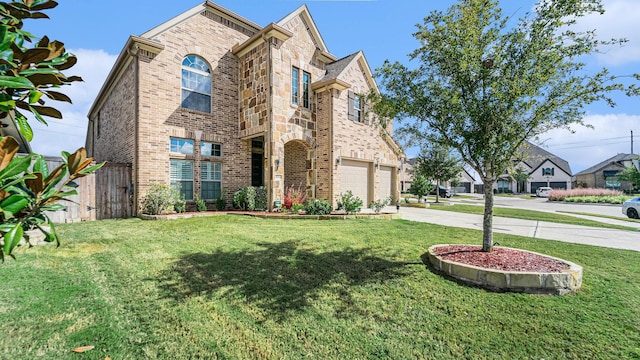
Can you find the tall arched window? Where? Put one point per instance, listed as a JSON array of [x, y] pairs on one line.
[[196, 84]]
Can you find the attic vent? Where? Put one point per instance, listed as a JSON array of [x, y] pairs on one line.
[[226, 22]]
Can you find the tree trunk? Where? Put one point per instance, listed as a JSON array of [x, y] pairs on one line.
[[487, 222], [437, 190]]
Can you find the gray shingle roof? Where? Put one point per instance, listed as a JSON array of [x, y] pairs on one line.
[[336, 68], [534, 156], [615, 159]]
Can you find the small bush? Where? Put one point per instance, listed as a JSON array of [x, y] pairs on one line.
[[245, 198], [160, 199], [221, 203], [318, 207], [349, 203], [588, 195], [293, 197], [201, 205], [261, 198], [180, 206], [378, 205]]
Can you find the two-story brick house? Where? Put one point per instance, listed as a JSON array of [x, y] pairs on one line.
[[214, 102]]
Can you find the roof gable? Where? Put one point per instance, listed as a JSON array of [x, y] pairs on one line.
[[335, 70], [305, 15], [534, 156], [616, 159]]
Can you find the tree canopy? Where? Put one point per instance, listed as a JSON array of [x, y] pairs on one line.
[[482, 86]]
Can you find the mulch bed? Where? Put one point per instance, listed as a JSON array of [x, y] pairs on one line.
[[505, 259]]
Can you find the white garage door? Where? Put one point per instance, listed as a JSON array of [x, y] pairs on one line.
[[354, 176], [386, 184]]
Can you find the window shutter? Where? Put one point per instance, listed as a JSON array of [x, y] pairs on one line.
[[350, 111], [552, 171]]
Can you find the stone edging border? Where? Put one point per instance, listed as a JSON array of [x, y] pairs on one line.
[[562, 283], [385, 216]]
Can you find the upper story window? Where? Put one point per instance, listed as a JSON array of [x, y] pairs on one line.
[[306, 83], [296, 84], [295, 91], [196, 84], [356, 108], [210, 149], [181, 146], [547, 171]]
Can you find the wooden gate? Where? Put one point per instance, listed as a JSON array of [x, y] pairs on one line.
[[113, 191]]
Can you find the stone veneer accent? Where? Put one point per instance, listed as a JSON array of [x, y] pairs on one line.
[[517, 281]]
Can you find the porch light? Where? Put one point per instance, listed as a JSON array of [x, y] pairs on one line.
[[277, 162]]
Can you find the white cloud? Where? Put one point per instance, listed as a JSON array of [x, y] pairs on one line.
[[610, 135], [620, 20], [69, 133]]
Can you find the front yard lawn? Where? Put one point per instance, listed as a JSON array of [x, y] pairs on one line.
[[531, 215], [233, 287]]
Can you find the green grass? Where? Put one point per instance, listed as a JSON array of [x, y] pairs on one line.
[[235, 287], [531, 215]]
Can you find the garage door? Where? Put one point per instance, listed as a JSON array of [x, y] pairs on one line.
[[386, 182], [354, 176], [552, 184]]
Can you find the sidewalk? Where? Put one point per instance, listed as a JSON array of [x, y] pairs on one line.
[[618, 239]]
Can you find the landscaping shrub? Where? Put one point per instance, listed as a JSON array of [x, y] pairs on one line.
[[588, 195], [261, 198], [221, 203], [378, 205], [294, 197], [245, 198], [349, 203], [201, 205], [318, 207], [180, 205], [159, 199]]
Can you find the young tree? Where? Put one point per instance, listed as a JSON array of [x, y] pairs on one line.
[[27, 75], [631, 175], [438, 163], [420, 186], [483, 87], [519, 175]]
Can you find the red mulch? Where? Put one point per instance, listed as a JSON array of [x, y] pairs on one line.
[[500, 258]]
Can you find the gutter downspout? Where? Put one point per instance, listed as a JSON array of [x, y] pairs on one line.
[[269, 147], [136, 132], [332, 162]]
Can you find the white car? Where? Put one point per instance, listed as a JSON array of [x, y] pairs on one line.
[[543, 191], [631, 207]]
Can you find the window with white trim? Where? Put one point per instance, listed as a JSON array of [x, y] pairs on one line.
[[196, 84], [356, 108], [306, 95], [295, 92], [210, 149], [181, 177], [181, 146], [547, 171], [210, 180]]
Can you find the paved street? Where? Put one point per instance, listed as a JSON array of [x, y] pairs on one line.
[[619, 239]]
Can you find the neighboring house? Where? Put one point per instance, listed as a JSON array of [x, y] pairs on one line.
[[604, 174], [465, 180], [543, 167], [8, 128], [214, 102]]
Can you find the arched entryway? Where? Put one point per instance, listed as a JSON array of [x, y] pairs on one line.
[[296, 165]]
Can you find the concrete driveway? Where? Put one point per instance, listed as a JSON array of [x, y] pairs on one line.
[[619, 239]]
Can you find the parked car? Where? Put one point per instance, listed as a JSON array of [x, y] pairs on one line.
[[543, 191], [631, 208], [442, 191]]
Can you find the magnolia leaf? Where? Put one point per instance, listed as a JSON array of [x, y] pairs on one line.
[[34, 96], [13, 204], [44, 6], [70, 61], [36, 184], [12, 237], [58, 96], [74, 78], [13, 82], [44, 42], [38, 15], [47, 111], [40, 166], [92, 169], [57, 49], [52, 234], [8, 148], [15, 167], [56, 175], [35, 56], [76, 159], [44, 79]]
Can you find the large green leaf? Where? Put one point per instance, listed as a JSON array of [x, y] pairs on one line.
[[8, 149], [16, 167], [13, 82], [11, 239], [40, 166], [24, 127], [13, 204]]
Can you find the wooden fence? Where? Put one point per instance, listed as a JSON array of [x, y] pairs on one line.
[[105, 194]]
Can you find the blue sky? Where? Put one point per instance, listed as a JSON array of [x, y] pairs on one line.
[[96, 31]]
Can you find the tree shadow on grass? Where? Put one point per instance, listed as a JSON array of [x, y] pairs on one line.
[[278, 277]]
